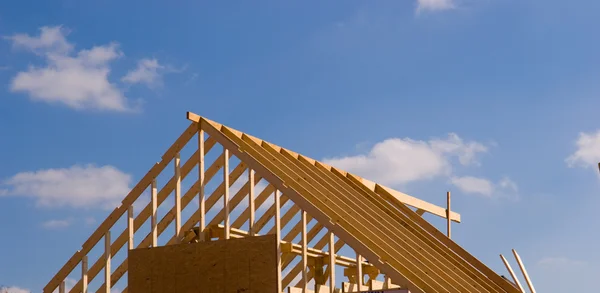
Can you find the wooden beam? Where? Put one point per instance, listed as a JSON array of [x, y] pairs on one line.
[[84, 278], [154, 203], [331, 266], [524, 271], [278, 237], [177, 163], [130, 227], [512, 273], [448, 212], [61, 288], [251, 202], [201, 175], [107, 257], [226, 194], [304, 254], [359, 272]]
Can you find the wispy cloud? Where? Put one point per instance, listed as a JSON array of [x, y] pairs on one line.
[[13, 289], [484, 187], [588, 151], [57, 224], [559, 262], [434, 5], [397, 161], [148, 72], [78, 80], [87, 186]]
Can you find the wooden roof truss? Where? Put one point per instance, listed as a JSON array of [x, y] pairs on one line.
[[318, 213]]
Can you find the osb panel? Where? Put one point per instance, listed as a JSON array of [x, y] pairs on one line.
[[225, 266]]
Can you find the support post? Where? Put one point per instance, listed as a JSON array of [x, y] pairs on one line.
[[251, 206], [226, 194], [177, 198], [278, 237], [154, 218], [201, 195], [304, 255], [448, 212], [61, 287], [84, 274], [130, 227], [359, 274], [107, 256], [331, 263]]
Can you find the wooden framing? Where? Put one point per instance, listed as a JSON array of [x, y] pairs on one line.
[[381, 225]]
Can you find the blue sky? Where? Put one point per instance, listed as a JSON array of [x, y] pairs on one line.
[[494, 100]]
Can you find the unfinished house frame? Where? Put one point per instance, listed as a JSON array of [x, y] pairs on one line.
[[335, 231]]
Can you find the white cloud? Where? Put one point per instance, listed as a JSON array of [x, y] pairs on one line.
[[77, 80], [588, 151], [481, 186], [77, 186], [13, 289], [57, 224], [559, 262], [434, 5], [148, 72], [398, 161], [90, 221], [469, 184]]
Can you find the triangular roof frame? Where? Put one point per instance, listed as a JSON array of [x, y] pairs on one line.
[[372, 219]]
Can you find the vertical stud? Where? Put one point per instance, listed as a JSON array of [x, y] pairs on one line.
[[178, 198], [251, 202], [61, 287], [304, 255], [226, 194], [153, 219], [130, 227], [84, 274], [107, 256], [201, 179], [331, 263], [359, 274], [449, 221], [278, 237]]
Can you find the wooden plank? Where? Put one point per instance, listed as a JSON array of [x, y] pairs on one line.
[[448, 212], [332, 259], [512, 273], [359, 271], [130, 227], [278, 237], [201, 180], [304, 254], [524, 271], [153, 221], [84, 279], [177, 162], [107, 257], [118, 212], [251, 202], [226, 194]]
